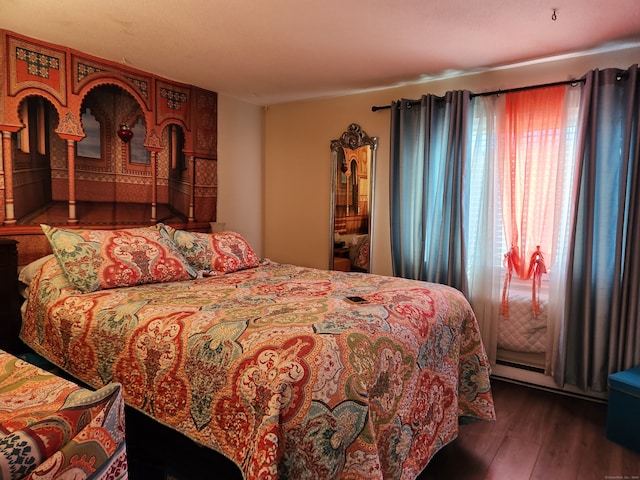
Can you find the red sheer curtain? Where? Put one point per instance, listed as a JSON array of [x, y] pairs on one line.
[[531, 139]]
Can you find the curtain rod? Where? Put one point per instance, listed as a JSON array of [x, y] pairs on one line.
[[375, 108]]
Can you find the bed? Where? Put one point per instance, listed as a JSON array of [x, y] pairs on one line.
[[51, 428], [269, 364]]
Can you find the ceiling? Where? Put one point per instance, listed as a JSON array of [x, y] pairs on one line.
[[272, 51]]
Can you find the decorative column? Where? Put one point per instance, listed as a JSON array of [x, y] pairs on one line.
[[7, 161], [71, 167], [154, 187], [192, 195]]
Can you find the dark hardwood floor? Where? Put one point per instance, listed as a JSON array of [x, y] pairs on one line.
[[537, 435]]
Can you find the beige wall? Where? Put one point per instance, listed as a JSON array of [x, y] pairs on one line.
[[274, 163], [297, 155]]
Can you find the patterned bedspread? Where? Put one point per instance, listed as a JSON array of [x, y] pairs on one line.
[[275, 369], [51, 428]]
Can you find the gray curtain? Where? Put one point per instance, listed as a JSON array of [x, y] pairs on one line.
[[427, 175], [601, 333]]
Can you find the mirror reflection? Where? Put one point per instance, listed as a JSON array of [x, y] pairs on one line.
[[353, 159]]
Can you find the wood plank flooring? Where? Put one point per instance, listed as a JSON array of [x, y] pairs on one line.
[[538, 435]]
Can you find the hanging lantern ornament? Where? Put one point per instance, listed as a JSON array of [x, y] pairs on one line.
[[125, 133]]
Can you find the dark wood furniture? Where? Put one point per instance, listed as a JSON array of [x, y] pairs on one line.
[[9, 298]]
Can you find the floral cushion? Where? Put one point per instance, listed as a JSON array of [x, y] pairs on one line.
[[359, 253], [99, 259], [51, 428], [219, 252]]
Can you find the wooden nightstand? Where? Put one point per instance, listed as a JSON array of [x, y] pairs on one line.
[[9, 298]]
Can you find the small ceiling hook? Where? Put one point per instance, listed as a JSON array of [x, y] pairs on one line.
[[553, 15]]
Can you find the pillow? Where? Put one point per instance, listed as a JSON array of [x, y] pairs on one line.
[[100, 259], [28, 272], [223, 252]]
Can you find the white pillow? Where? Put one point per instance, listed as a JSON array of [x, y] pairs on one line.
[[28, 272]]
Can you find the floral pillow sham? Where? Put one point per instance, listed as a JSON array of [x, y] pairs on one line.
[[214, 253], [101, 259]]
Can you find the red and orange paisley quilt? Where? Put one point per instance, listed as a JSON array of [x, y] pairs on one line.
[[274, 368], [51, 428]]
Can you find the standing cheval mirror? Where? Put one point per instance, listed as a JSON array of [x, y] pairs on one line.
[[352, 171]]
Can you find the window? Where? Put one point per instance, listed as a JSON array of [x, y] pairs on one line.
[[32, 138], [484, 146], [91, 145], [521, 172], [138, 154], [176, 148], [23, 136], [41, 126]]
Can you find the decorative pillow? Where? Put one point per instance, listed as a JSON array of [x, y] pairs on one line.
[[359, 252], [99, 259], [28, 272], [223, 252]]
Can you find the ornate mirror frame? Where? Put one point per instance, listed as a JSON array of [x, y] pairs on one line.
[[352, 179]]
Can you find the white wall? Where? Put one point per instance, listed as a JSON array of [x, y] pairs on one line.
[[297, 154], [240, 169]]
